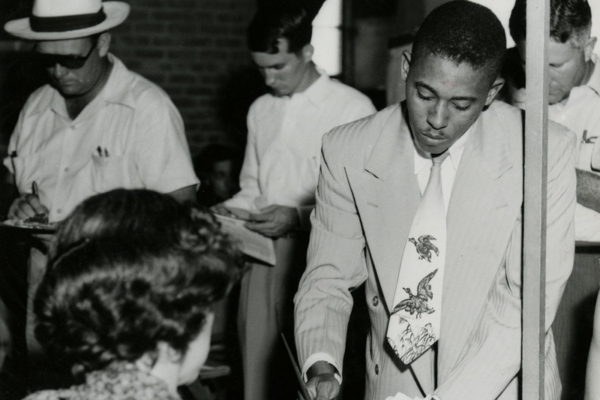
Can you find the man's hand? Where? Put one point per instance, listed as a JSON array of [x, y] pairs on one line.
[[222, 210], [27, 205], [274, 221], [588, 189], [322, 384]]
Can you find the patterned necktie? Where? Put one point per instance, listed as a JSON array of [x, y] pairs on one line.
[[415, 321]]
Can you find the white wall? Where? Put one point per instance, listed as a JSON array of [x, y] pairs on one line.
[[595, 6]]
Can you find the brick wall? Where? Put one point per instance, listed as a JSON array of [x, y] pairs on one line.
[[195, 50]]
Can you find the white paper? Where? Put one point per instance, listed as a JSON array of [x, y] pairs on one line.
[[402, 396], [251, 243]]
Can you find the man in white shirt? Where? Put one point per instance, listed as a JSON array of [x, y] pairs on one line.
[[278, 180], [373, 174], [574, 96], [96, 127]]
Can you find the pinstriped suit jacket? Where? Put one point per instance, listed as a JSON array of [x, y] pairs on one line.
[[366, 200]]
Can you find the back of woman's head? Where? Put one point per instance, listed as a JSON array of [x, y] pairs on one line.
[[126, 274]]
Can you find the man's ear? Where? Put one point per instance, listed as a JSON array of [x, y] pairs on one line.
[[496, 86], [406, 59], [307, 53], [103, 44], [588, 48]]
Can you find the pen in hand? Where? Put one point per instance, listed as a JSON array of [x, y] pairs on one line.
[[43, 216]]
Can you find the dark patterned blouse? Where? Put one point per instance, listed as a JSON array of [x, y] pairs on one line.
[[119, 381]]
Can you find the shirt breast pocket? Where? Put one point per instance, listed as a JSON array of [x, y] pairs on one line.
[[113, 172]]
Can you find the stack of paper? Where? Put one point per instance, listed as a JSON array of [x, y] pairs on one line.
[[251, 243]]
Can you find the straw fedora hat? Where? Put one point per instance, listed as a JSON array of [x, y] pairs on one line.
[[68, 19]]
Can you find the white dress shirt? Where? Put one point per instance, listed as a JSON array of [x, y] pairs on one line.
[[129, 136], [580, 114], [281, 163]]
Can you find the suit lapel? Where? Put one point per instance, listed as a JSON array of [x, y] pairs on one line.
[[387, 197], [485, 203]]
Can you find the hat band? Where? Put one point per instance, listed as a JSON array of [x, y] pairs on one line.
[[66, 23]]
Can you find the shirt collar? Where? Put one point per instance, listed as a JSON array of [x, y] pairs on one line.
[[118, 89], [423, 159], [115, 91], [318, 91]]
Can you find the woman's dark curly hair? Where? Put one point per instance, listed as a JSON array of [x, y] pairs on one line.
[[129, 269]]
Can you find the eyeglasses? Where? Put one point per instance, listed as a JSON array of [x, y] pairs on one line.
[[70, 62]]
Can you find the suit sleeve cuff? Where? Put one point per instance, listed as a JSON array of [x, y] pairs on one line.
[[320, 357]]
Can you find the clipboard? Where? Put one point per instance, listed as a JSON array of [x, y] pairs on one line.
[[304, 395]]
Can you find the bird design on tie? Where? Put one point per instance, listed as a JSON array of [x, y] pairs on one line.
[[425, 247], [418, 304]]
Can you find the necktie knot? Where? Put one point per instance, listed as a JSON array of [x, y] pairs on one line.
[[437, 161]]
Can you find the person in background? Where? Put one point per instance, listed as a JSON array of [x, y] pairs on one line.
[[218, 167], [126, 302], [423, 202], [278, 180], [573, 96], [95, 127]]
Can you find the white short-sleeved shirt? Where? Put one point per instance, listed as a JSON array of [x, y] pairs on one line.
[[130, 136], [281, 163], [581, 114]]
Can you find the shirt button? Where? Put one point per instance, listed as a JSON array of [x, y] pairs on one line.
[[375, 301], [376, 369]]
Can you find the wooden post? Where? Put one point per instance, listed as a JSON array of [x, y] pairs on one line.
[[534, 238]]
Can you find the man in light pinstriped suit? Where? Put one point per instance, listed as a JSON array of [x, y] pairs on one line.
[[369, 189]]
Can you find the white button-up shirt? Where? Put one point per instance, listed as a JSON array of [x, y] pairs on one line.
[[581, 114], [281, 163], [130, 136]]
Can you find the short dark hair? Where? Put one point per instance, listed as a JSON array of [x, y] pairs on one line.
[[569, 19], [279, 20], [113, 295], [463, 32]]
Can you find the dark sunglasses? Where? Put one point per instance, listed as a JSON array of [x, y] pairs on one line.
[[70, 62]]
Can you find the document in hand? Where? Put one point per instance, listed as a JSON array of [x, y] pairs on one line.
[[251, 243]]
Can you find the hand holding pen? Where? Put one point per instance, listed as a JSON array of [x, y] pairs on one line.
[[27, 205]]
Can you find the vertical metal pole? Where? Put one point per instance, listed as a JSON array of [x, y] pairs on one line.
[[534, 242]]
